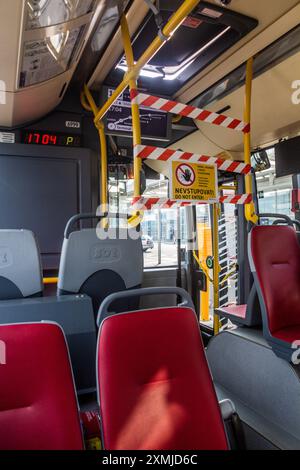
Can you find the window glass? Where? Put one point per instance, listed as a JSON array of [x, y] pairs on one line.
[[278, 202], [160, 231], [274, 194], [160, 228]]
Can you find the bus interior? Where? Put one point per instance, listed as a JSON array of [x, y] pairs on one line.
[[149, 225]]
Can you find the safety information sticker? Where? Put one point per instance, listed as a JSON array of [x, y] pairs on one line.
[[193, 181]]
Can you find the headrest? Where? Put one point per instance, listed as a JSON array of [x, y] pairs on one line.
[[273, 244], [84, 254], [274, 256], [20, 265]]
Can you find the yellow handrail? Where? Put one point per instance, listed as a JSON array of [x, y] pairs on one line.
[[202, 266], [104, 176], [129, 79], [136, 122], [217, 268], [91, 101], [50, 280], [249, 208], [174, 22], [227, 188], [89, 104]]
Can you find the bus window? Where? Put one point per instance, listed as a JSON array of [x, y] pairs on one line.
[[160, 228], [274, 194], [227, 258], [278, 202], [160, 231]]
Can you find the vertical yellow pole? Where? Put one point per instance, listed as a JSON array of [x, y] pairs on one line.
[[103, 168], [204, 250], [249, 208], [103, 147], [136, 123], [216, 265]]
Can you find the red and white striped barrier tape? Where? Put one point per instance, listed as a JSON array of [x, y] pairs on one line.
[[185, 110], [167, 155], [147, 203]]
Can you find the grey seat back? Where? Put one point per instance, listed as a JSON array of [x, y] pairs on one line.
[[20, 265], [75, 315], [99, 265]]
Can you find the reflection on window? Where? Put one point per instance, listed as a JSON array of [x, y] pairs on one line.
[[274, 194], [42, 13], [160, 228], [49, 57], [2, 92], [278, 202], [160, 231]]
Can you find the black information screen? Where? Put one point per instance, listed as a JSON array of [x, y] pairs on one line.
[[154, 124], [287, 157]]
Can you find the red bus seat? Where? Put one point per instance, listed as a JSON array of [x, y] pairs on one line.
[[235, 311], [243, 315], [155, 390], [274, 255], [38, 403]]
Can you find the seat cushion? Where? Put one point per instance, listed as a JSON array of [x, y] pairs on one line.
[[155, 388], [38, 406], [289, 334], [238, 311]]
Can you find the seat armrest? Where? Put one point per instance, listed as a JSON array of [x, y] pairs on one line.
[[233, 425], [227, 409]]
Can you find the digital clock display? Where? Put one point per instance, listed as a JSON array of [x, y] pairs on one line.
[[50, 138]]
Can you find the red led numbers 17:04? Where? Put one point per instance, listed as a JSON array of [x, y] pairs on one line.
[[43, 139], [47, 138]]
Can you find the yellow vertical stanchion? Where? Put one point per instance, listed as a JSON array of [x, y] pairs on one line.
[[216, 266], [91, 106], [104, 176], [135, 113], [204, 250], [136, 123], [249, 208]]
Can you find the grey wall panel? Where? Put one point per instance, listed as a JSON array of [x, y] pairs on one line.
[[75, 315], [41, 188]]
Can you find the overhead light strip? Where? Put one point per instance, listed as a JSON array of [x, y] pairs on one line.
[[182, 67]]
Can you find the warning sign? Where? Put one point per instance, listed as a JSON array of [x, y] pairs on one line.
[[192, 22], [193, 181]]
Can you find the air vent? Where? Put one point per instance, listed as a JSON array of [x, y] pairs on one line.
[[7, 138]]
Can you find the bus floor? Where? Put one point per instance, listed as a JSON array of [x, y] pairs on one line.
[[88, 402]]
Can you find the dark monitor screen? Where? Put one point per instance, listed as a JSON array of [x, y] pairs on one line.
[[155, 125], [287, 157], [41, 193]]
